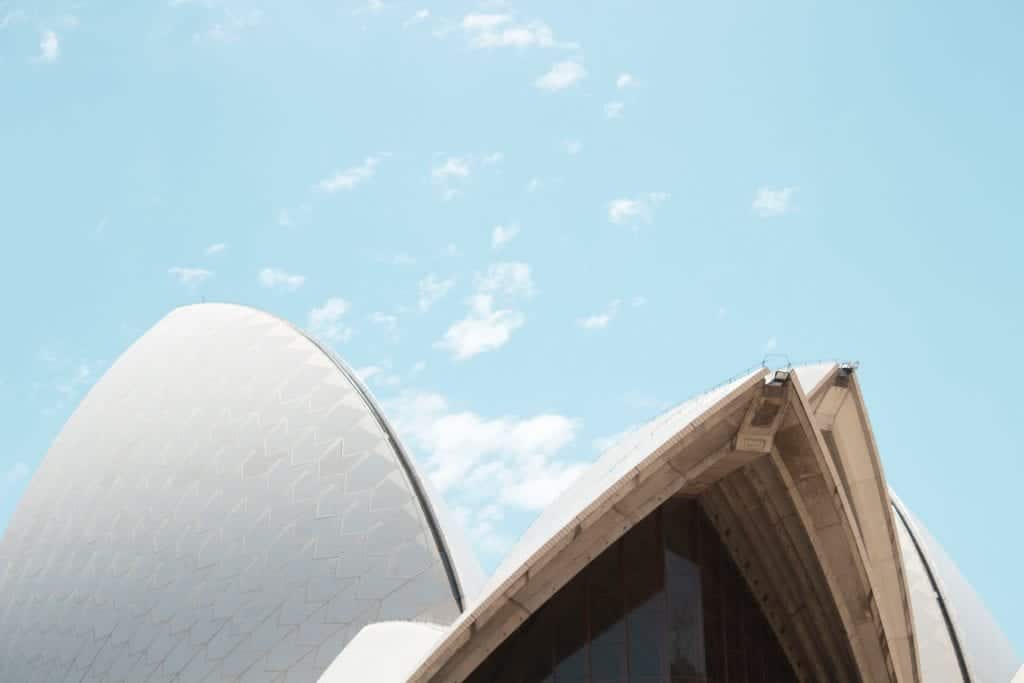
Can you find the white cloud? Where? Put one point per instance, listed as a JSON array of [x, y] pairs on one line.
[[455, 171], [625, 80], [533, 185], [600, 321], [487, 327], [489, 462], [638, 209], [511, 278], [453, 167], [367, 372], [613, 110], [78, 377], [418, 17], [371, 7], [493, 30], [431, 290], [230, 26], [279, 279], [190, 276], [483, 329], [215, 248], [385, 320], [351, 177], [561, 76], [773, 202], [573, 147], [502, 235], [448, 175], [49, 47], [484, 22], [451, 249], [325, 322], [402, 259]]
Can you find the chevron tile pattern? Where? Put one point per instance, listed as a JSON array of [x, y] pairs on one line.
[[223, 506]]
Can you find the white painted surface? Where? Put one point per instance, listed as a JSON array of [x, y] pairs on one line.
[[386, 652], [810, 376], [990, 655]]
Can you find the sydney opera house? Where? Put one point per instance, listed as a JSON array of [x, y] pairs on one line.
[[228, 503]]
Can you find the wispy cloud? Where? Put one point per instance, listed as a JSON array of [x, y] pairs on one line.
[[402, 259], [190, 276], [371, 7], [773, 202], [625, 80], [418, 17], [229, 26], [49, 47], [562, 75], [366, 372], [637, 209], [510, 279], [454, 172], [349, 178], [501, 30], [386, 320], [325, 321], [599, 321], [483, 329], [498, 461], [486, 327], [502, 235], [215, 248], [613, 110], [453, 167], [69, 377], [573, 147], [431, 290], [275, 278]]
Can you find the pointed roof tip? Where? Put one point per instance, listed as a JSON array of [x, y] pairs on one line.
[[814, 375]]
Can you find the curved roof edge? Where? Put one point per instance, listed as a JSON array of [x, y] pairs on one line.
[[461, 567], [591, 512], [986, 655]]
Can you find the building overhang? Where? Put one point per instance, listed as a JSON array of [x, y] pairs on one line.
[[755, 458]]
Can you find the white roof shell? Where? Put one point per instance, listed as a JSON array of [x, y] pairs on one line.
[[226, 503]]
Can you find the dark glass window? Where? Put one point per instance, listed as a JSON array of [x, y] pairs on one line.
[[664, 604]]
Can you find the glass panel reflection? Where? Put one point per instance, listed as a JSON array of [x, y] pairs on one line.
[[664, 604]]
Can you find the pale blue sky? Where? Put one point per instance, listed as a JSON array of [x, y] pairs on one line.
[[680, 187]]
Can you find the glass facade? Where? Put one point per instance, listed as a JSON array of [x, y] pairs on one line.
[[664, 604]]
